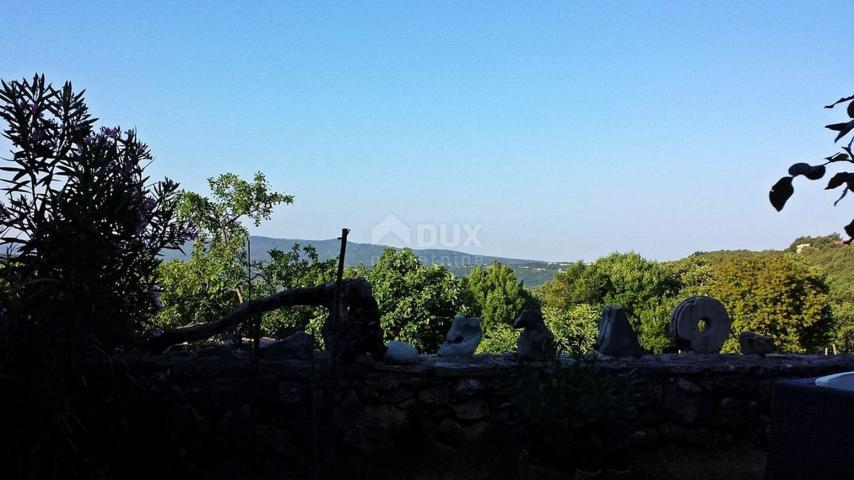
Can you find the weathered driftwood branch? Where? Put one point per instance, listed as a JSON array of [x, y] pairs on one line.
[[355, 330], [320, 296]]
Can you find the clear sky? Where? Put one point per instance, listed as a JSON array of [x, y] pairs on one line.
[[555, 130]]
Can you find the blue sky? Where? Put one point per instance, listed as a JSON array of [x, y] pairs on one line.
[[565, 130]]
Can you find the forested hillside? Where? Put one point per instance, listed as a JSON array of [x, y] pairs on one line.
[[531, 272]]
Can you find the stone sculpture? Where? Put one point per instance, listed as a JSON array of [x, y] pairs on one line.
[[463, 338], [755, 344], [400, 353], [536, 342], [700, 324], [356, 329], [617, 338]]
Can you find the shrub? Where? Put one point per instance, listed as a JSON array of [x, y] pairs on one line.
[[417, 303], [215, 279], [83, 223], [495, 294], [84, 227], [499, 338], [645, 288], [575, 328], [298, 267]]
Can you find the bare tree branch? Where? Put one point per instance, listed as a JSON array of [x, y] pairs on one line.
[[319, 296]]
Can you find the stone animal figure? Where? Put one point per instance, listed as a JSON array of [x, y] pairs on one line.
[[463, 338], [536, 342]]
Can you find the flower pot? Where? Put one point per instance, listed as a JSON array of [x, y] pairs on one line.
[[587, 474]]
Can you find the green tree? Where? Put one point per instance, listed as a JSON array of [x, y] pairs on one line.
[[778, 295], [495, 294], [646, 289], [214, 280], [577, 283], [298, 267], [575, 328], [416, 302], [499, 338]]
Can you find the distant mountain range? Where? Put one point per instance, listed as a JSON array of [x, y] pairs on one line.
[[531, 272]]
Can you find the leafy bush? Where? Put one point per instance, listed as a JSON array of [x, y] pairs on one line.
[[83, 223], [575, 328], [215, 279], [646, 289], [297, 267], [83, 226], [499, 338], [495, 294], [417, 303]]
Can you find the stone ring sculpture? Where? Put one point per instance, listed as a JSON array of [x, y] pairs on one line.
[[700, 324]]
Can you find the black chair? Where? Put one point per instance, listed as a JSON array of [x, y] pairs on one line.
[[812, 432]]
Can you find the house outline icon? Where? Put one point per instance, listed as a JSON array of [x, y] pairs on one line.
[[391, 226]]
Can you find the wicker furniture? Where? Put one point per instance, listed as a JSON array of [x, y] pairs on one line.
[[812, 432]]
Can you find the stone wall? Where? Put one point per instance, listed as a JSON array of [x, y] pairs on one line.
[[204, 402]]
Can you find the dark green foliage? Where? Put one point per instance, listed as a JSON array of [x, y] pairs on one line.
[[531, 273], [495, 295], [836, 262], [83, 226], [575, 328], [778, 295], [417, 302], [646, 289], [771, 293], [80, 216], [215, 279], [298, 267]]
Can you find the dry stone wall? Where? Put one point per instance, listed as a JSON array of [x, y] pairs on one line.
[[293, 404]]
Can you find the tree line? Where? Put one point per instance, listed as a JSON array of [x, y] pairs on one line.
[[780, 294]]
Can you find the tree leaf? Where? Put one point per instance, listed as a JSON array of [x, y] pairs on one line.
[[815, 172], [780, 192], [799, 169], [842, 128], [807, 170], [837, 180]]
